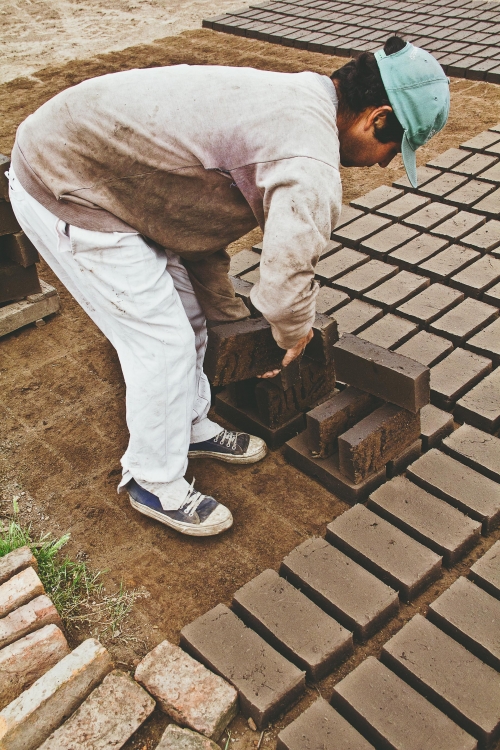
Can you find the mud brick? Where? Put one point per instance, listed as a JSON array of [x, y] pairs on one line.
[[459, 485], [458, 226], [455, 375], [17, 282], [341, 587], [448, 159], [424, 174], [251, 277], [330, 247], [464, 320], [18, 248], [23, 662], [493, 173], [245, 260], [334, 416], [430, 304], [320, 726], [398, 465], [486, 571], [16, 561], [4, 183], [18, 590], [246, 419], [360, 229], [489, 205], [402, 207], [330, 299], [435, 425], [242, 290], [26, 619], [32, 717], [455, 680], [394, 715], [480, 407], [476, 449], [426, 518], [339, 263], [475, 164], [484, 239], [383, 549], [430, 216], [469, 194], [384, 374], [442, 185], [177, 738], [478, 277], [355, 316], [481, 141], [487, 342], [377, 198], [397, 290], [492, 296], [266, 682], [365, 277], [347, 214], [382, 243], [416, 251], [293, 624], [495, 148], [470, 615], [426, 348], [448, 262], [8, 221], [327, 472], [389, 332], [325, 335]]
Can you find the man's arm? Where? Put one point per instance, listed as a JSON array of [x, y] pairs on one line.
[[213, 288]]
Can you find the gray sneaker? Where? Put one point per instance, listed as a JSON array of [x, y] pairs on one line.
[[233, 447]]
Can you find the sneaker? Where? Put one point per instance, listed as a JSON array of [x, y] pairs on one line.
[[234, 447], [199, 515]]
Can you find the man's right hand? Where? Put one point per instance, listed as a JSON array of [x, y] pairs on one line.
[[290, 355]]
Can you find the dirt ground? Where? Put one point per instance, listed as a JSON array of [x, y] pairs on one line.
[[63, 417]]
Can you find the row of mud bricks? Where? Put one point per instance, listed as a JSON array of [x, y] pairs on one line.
[[23, 297]]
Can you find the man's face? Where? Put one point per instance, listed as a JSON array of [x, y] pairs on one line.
[[358, 145]]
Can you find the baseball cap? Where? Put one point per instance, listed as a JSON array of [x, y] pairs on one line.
[[419, 93]]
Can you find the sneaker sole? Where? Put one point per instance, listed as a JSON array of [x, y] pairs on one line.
[[183, 528], [228, 458]]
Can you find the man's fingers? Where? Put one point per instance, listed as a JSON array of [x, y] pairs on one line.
[[270, 374]]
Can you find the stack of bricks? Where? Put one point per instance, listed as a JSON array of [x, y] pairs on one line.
[[18, 273]]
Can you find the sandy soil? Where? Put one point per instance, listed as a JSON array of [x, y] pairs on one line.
[[63, 420]]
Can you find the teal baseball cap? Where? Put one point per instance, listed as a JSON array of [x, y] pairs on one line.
[[419, 93]]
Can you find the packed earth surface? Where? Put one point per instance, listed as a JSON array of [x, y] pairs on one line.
[[63, 406]]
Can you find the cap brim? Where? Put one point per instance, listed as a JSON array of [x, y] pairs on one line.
[[410, 161]]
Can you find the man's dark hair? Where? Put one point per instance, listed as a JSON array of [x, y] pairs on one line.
[[359, 85]]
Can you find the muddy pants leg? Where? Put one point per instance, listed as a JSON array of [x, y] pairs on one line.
[[125, 286]]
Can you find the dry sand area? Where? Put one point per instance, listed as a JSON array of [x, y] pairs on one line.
[[62, 412]]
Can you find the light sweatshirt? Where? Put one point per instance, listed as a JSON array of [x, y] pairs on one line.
[[194, 157]]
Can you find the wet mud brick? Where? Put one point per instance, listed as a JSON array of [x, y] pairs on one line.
[[471, 616], [475, 164], [319, 727], [478, 277], [325, 335], [486, 571], [339, 263], [487, 341], [469, 194], [440, 186], [402, 207], [385, 551], [344, 589], [416, 251], [293, 624], [385, 374], [30, 719], [8, 221], [355, 316], [334, 416], [241, 350], [18, 248], [458, 226], [493, 173], [389, 332], [347, 215], [19, 590], [445, 264], [426, 518], [480, 407], [476, 449], [455, 680], [448, 159], [424, 174], [16, 561], [426, 348], [360, 229], [435, 424], [266, 682], [4, 183], [245, 260], [484, 239], [242, 290], [430, 216], [466, 489], [381, 244], [397, 290], [107, 718], [17, 282], [464, 320], [489, 205], [365, 277], [329, 300], [455, 375], [251, 277], [481, 141], [398, 465], [377, 198], [392, 714]]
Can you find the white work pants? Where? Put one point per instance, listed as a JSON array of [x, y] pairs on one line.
[[141, 298]]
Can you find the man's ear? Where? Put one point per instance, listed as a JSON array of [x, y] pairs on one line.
[[377, 117]]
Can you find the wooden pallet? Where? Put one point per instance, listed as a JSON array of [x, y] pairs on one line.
[[35, 307]]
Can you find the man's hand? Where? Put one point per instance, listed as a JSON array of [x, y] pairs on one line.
[[290, 355]]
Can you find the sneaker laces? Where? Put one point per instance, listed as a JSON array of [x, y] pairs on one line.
[[192, 501], [227, 438]]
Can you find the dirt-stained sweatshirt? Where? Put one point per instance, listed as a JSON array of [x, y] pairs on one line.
[[194, 157]]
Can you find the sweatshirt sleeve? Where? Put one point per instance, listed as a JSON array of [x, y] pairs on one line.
[[302, 198], [213, 288]]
